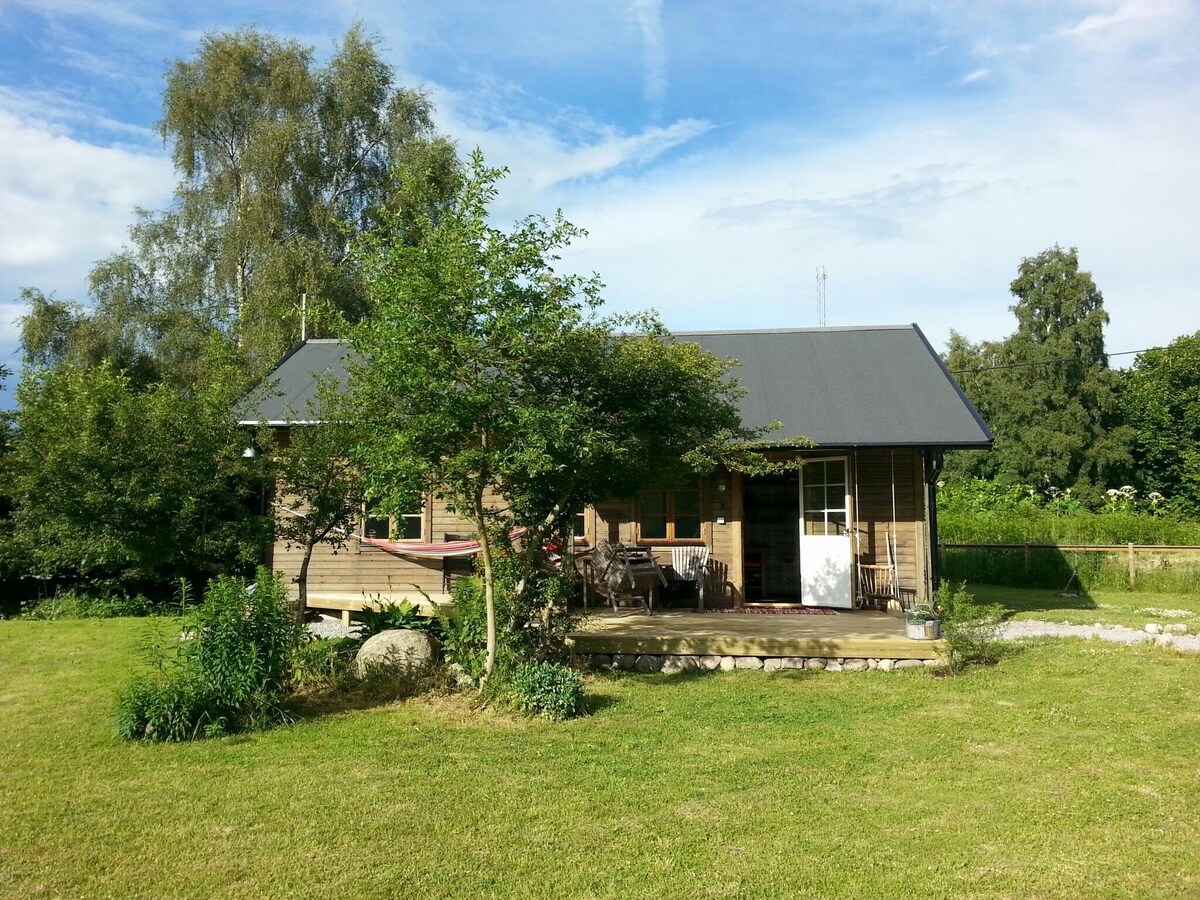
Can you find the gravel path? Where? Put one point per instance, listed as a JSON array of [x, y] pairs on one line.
[[330, 627], [1011, 631]]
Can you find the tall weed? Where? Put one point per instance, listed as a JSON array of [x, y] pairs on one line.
[[229, 671]]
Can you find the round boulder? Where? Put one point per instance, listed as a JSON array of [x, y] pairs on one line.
[[648, 663], [400, 651]]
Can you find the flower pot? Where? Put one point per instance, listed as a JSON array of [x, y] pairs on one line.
[[923, 630]]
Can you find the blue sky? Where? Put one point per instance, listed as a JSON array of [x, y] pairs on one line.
[[718, 152]]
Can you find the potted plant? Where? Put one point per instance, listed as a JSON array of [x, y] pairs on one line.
[[923, 624]]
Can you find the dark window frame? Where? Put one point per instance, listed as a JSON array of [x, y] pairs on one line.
[[365, 520], [671, 516]]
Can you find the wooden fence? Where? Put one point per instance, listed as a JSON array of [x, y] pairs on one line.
[[1130, 549]]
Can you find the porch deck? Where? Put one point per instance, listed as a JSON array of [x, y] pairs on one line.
[[851, 634]]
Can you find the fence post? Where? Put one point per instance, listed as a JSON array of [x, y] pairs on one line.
[[1132, 568], [1026, 559]]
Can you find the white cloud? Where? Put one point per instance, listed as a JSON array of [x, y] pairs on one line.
[[977, 75], [647, 14], [921, 221], [68, 202], [1125, 15], [556, 153]]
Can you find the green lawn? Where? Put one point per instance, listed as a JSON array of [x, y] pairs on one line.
[[1113, 607], [1067, 770]]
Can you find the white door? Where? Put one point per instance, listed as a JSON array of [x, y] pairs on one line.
[[825, 553]]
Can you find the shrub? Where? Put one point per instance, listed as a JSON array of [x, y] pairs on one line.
[[531, 629], [75, 604], [175, 707], [465, 627], [547, 689], [242, 645], [230, 672], [968, 628], [401, 615]]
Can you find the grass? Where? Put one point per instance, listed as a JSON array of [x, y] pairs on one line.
[[1112, 607], [1066, 770]]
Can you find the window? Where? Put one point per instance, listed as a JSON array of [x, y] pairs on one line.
[[405, 527], [670, 515], [581, 527], [825, 499]]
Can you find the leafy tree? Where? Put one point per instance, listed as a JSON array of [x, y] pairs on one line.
[[494, 384], [1047, 391], [129, 487], [318, 488], [281, 163], [1162, 404]]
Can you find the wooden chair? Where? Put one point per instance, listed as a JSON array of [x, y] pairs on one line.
[[689, 564], [618, 573], [876, 583], [880, 582]]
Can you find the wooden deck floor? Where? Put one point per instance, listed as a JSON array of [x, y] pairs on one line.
[[850, 634]]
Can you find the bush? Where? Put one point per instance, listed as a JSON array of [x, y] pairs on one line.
[[174, 707], [230, 672], [465, 627], [401, 615], [73, 604], [968, 628], [547, 689], [532, 629]]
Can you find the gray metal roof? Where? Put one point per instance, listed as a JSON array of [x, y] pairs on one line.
[[871, 386], [289, 394]]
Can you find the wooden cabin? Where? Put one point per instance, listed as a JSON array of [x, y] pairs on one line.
[[857, 521]]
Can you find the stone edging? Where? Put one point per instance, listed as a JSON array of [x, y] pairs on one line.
[[670, 663]]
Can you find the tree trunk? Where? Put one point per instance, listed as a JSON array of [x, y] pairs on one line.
[[489, 585], [302, 584]]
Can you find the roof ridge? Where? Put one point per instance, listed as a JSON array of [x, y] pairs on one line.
[[810, 330]]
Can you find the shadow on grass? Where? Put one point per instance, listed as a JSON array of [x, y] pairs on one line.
[[1031, 600], [314, 704], [595, 703]]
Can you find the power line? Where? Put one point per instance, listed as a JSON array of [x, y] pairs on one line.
[[1051, 362]]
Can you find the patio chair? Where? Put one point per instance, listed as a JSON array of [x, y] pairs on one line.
[[618, 573], [688, 564]]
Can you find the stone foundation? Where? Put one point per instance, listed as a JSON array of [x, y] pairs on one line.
[[671, 664]]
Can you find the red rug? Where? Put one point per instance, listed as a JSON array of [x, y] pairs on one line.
[[779, 611]]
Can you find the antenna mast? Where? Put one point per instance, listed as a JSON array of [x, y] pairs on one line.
[[304, 317], [821, 295]]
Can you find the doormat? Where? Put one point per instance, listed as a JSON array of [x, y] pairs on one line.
[[778, 611]]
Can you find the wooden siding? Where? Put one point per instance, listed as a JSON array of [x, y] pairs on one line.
[[362, 570], [872, 509]]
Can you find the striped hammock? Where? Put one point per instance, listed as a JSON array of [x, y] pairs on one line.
[[436, 551]]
